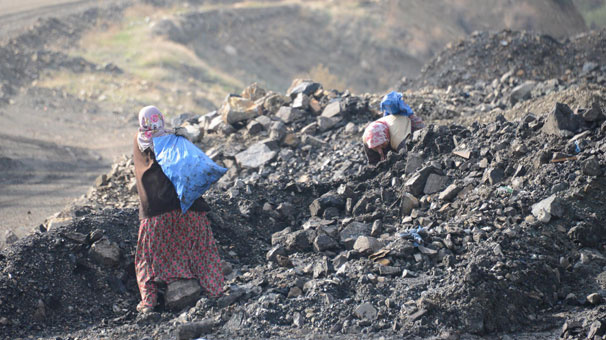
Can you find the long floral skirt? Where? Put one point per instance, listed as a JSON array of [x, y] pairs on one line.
[[173, 246]]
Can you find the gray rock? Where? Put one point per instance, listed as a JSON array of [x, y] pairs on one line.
[[351, 232], [280, 236], [595, 113], [414, 161], [324, 242], [322, 268], [195, 330], [522, 92], [305, 87], [254, 127], [288, 114], [416, 184], [408, 203], [169, 29], [313, 141], [493, 175], [325, 123], [450, 192], [435, 183], [310, 129], [274, 252], [265, 121], [235, 323], [594, 298], [367, 245], [193, 133], [298, 241], [333, 109], [255, 156], [105, 252], [216, 124], [181, 294], [562, 121], [301, 102], [545, 209], [377, 228], [366, 311], [10, 237], [591, 167]]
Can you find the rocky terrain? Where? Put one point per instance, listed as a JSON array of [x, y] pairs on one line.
[[489, 225]]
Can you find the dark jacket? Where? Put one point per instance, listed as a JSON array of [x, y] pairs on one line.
[[157, 194]]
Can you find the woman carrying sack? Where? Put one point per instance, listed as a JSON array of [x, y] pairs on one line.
[[171, 245]]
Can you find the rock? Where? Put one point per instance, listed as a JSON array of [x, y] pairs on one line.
[[294, 292], [255, 156], [377, 228], [325, 123], [105, 252], [562, 121], [181, 294], [254, 127], [545, 209], [332, 110], [236, 109], [587, 234], [306, 87], [10, 237], [522, 92], [288, 114], [593, 114], [101, 180], [236, 322], [297, 241], [301, 102], [324, 242], [274, 252], [450, 192], [434, 183], [416, 184], [351, 232], [195, 330], [591, 167], [366, 311], [414, 161], [193, 133], [322, 268], [216, 124], [330, 199], [313, 141], [367, 245], [597, 328], [407, 203], [594, 299], [493, 175], [253, 92]]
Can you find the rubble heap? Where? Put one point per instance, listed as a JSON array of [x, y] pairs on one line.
[[484, 225]]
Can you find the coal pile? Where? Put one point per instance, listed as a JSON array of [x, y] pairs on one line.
[[486, 56], [489, 223], [475, 229]]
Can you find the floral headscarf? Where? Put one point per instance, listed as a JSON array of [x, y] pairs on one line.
[[375, 134], [151, 124]]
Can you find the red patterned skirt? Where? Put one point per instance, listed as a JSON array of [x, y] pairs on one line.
[[173, 246]]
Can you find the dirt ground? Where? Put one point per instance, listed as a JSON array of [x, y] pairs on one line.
[[56, 144]]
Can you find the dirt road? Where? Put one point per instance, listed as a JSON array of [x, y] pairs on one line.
[[53, 146]]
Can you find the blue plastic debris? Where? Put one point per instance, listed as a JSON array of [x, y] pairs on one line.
[[413, 234], [190, 170], [393, 104], [577, 148]]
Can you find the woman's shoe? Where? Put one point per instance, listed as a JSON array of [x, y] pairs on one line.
[[144, 309]]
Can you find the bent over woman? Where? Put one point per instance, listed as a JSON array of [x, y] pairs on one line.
[[171, 246]]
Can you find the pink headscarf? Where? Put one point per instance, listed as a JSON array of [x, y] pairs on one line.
[[151, 124], [375, 134]]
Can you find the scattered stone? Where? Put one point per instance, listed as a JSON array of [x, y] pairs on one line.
[[181, 294], [545, 209], [255, 156], [594, 298], [366, 311], [195, 330], [562, 121], [332, 110], [105, 252], [367, 245]]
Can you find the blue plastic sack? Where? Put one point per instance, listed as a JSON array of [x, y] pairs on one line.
[[393, 104], [189, 169]]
